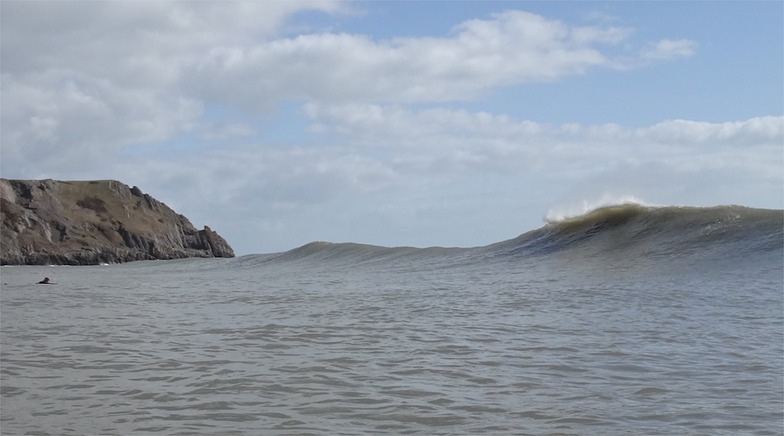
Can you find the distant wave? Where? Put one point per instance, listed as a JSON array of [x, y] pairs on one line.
[[660, 229], [352, 254], [629, 229], [356, 253]]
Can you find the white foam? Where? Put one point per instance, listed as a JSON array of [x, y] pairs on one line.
[[572, 210]]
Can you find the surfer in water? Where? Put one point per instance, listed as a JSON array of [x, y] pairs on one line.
[[45, 281]]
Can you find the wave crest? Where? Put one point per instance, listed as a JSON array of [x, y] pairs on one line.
[[569, 212], [671, 230]]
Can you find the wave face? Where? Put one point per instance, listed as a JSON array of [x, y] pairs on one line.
[[659, 230]]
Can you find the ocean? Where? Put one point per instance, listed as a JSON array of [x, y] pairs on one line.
[[629, 319]]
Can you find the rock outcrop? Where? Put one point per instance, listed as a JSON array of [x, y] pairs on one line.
[[49, 222]]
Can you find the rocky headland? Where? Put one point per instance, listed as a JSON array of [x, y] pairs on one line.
[[49, 222]]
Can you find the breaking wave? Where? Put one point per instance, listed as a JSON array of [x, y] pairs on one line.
[[671, 230], [566, 212], [630, 229]]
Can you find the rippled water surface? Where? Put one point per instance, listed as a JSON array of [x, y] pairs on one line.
[[410, 345]]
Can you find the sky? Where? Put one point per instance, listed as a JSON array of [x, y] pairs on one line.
[[397, 123]]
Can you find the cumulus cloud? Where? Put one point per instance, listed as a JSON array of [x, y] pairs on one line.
[[441, 146], [762, 130], [398, 127], [667, 49], [82, 78], [58, 124], [137, 75], [511, 48]]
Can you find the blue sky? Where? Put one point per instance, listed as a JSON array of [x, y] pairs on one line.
[[397, 123]]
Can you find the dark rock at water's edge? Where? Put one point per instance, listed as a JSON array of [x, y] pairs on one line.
[[50, 222]]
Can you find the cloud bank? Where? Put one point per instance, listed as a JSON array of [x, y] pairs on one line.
[[180, 98], [153, 71]]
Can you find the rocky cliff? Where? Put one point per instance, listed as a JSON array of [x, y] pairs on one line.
[[49, 222]]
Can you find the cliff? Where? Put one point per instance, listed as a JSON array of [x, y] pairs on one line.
[[49, 222]]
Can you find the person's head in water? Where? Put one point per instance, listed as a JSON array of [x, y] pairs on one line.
[[45, 281]]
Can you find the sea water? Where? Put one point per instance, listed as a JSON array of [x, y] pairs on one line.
[[629, 322]]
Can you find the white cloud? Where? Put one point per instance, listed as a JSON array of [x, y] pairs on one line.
[[399, 126], [82, 78], [48, 125], [762, 130], [667, 49], [513, 47], [441, 146], [88, 79]]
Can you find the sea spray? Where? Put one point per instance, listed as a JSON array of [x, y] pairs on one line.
[[567, 211]]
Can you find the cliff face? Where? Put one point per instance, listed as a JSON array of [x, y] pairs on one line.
[[49, 222]]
